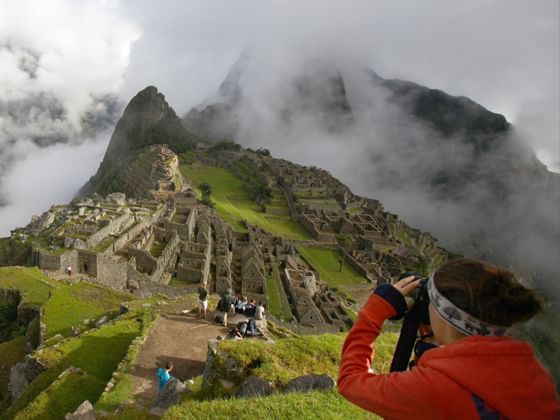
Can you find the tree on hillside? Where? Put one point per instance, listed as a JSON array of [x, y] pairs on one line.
[[261, 194], [206, 190], [344, 241]]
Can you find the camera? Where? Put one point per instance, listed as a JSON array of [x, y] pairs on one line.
[[416, 322]]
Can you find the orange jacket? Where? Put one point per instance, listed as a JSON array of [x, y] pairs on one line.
[[502, 372]]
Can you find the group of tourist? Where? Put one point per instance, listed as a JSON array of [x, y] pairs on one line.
[[227, 304], [232, 305]]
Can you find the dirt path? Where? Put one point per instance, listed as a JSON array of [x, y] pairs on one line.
[[183, 339]]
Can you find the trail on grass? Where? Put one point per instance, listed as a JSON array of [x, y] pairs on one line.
[[183, 339]]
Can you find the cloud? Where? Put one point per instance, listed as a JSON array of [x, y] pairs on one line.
[[60, 171], [63, 63]]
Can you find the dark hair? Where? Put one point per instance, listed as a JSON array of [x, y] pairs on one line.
[[169, 365], [489, 293]]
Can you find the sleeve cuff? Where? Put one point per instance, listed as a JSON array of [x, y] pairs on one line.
[[394, 297]]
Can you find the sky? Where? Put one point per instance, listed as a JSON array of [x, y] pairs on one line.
[[67, 68]]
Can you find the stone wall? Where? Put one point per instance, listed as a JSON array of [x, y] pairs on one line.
[[128, 235], [87, 262], [115, 225], [45, 261], [357, 266], [145, 263], [112, 273]]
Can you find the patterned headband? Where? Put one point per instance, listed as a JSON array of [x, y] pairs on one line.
[[467, 324]]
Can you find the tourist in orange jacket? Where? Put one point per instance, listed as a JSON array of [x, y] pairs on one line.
[[471, 375]]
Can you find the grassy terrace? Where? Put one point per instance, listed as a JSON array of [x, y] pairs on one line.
[[97, 354], [277, 301], [31, 282], [233, 202], [69, 305], [11, 352], [311, 405], [279, 363], [326, 262]]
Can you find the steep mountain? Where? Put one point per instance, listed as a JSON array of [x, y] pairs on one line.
[[444, 163], [147, 120]]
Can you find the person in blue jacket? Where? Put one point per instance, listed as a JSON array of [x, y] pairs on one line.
[[163, 375]]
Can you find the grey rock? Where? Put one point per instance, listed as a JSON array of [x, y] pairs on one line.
[[22, 374], [101, 321], [308, 383], [170, 394], [123, 309], [116, 198], [254, 387], [84, 412]]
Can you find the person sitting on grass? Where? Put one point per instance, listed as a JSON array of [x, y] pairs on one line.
[[164, 376]]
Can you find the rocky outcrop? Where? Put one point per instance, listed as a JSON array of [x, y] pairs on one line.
[[147, 120], [23, 373], [309, 383], [170, 394], [254, 386], [84, 412]]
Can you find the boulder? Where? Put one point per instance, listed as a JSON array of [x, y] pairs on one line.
[[101, 321], [116, 198], [84, 412], [254, 386], [170, 394], [308, 383], [23, 373]]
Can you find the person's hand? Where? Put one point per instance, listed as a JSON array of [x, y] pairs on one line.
[[407, 285]]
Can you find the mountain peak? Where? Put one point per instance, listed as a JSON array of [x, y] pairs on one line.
[[146, 121]]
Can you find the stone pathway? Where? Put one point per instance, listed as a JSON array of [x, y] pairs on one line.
[[183, 339]]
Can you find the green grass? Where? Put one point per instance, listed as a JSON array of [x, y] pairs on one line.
[[61, 396], [123, 390], [31, 282], [97, 354], [70, 305], [234, 205], [11, 352], [311, 405], [278, 304], [292, 357], [157, 248], [326, 262], [104, 244]]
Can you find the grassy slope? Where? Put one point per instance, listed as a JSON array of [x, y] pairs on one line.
[[292, 357], [33, 284], [325, 261], [312, 405], [233, 203], [11, 352], [123, 390], [61, 397], [278, 304], [280, 362], [71, 304], [97, 354]]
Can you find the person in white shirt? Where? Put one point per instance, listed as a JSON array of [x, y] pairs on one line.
[[259, 312]]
